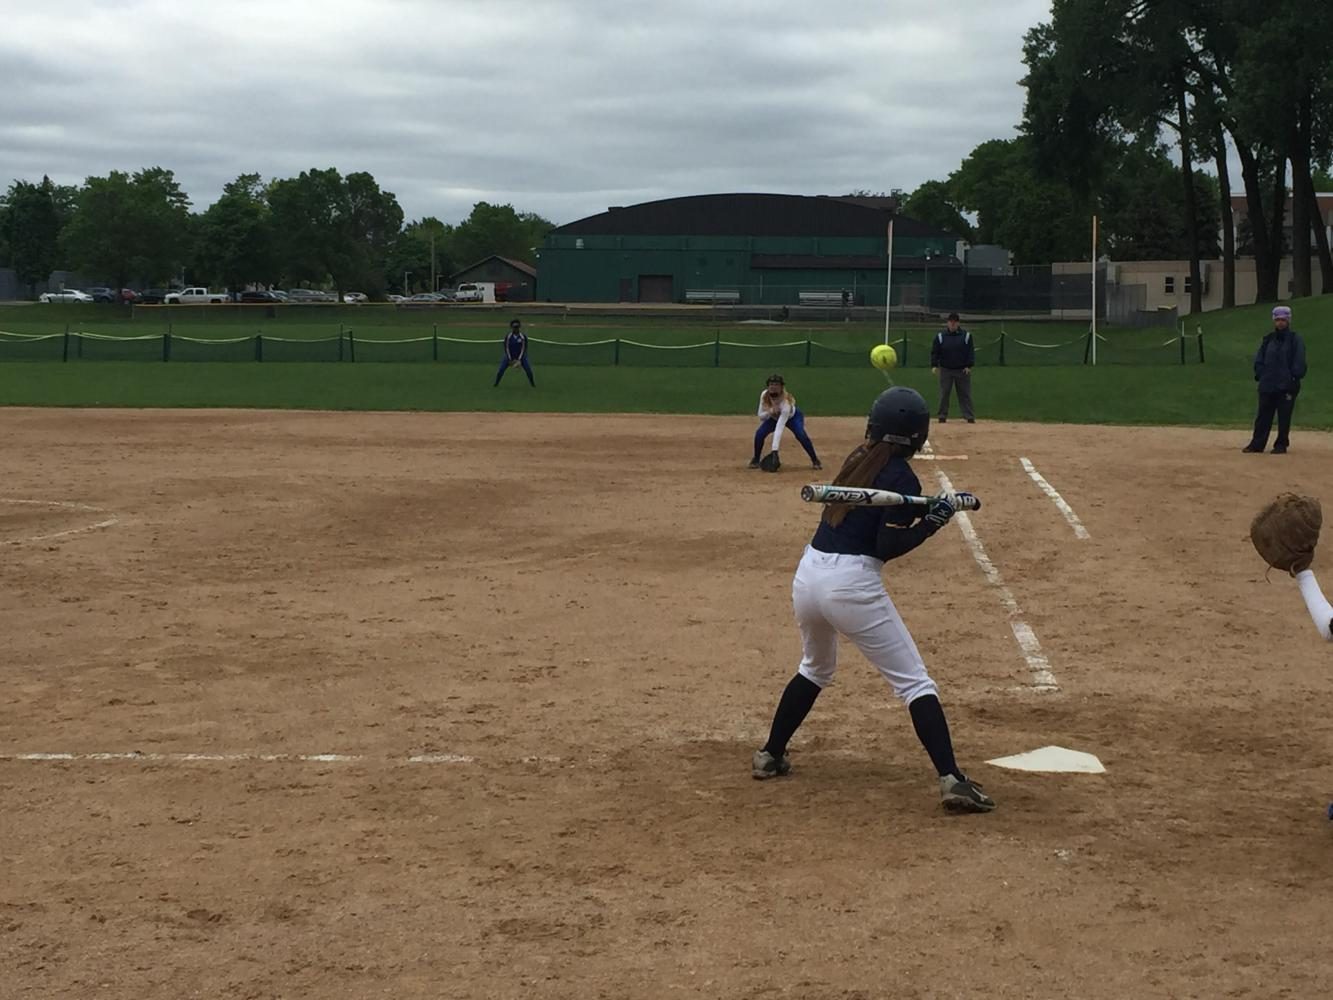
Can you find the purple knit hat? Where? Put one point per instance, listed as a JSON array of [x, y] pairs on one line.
[[1282, 312]]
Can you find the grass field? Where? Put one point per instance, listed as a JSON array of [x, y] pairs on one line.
[[1219, 392]]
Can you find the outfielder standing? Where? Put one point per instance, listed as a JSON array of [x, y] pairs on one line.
[[778, 411], [516, 353], [838, 590]]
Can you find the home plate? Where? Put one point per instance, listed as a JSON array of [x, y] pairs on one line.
[[1052, 759]]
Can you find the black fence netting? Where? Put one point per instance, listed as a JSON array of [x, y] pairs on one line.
[[15, 347], [282, 349], [99, 347], [415, 349], [1120, 347], [194, 349]]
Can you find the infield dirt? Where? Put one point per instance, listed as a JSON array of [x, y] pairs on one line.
[[595, 613]]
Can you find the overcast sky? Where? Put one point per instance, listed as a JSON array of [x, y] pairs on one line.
[[560, 107]]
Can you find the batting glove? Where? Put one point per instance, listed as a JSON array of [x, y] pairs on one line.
[[939, 513]]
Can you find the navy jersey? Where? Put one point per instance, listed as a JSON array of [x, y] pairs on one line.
[[515, 345], [857, 533]]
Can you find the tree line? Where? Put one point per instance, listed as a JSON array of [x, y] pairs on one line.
[[1107, 82], [320, 229]]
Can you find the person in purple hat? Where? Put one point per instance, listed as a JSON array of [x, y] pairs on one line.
[[1279, 366]]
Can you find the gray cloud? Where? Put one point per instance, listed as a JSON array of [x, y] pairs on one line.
[[560, 107]]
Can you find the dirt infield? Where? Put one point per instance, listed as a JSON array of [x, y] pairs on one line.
[[546, 647]]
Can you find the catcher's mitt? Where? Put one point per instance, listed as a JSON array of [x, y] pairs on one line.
[[771, 462], [1286, 532]]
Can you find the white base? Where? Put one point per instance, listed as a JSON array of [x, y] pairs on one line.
[[1052, 759]]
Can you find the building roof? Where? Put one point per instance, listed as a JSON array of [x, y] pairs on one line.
[[520, 265], [752, 215]]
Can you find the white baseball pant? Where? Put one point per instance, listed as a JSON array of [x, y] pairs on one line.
[[844, 594]]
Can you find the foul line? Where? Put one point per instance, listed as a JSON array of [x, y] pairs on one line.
[[1057, 499], [1042, 677], [60, 534], [233, 758]]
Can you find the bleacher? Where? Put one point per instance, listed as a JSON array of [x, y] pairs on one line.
[[822, 298], [714, 296]]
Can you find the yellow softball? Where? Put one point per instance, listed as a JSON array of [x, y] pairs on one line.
[[883, 357]]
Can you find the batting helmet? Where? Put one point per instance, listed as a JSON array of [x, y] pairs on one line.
[[776, 379], [514, 324], [900, 416]]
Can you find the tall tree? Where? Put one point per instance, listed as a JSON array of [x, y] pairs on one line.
[[31, 219], [1039, 220], [498, 229], [421, 250], [933, 204], [130, 226], [234, 244], [335, 228]]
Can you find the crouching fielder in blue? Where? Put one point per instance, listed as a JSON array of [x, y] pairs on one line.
[[516, 353], [838, 590], [777, 412]]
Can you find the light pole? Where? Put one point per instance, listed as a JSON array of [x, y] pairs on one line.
[[406, 289], [927, 292]]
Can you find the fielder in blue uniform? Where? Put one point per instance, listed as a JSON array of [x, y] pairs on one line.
[[516, 353], [777, 412]]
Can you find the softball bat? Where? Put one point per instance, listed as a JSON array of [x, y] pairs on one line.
[[865, 497]]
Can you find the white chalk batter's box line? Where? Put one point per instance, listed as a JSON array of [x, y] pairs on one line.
[[152, 757], [62, 505], [1079, 530]]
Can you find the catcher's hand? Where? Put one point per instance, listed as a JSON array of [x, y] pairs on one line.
[[1286, 532], [771, 462]]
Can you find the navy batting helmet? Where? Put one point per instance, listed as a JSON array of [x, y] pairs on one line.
[[514, 324], [900, 416]]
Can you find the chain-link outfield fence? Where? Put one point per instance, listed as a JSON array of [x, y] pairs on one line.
[[1128, 347]]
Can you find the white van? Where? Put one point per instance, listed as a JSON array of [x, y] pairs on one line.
[[475, 291]]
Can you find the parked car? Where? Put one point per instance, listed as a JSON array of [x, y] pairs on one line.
[[258, 296], [475, 291], [100, 293], [128, 296], [196, 296], [152, 296], [393, 297], [282, 296], [310, 296], [355, 298], [65, 295]]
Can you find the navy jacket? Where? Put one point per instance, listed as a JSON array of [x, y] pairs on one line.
[[1279, 364], [952, 350]]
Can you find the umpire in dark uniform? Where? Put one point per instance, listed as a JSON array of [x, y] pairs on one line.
[[952, 358], [1279, 366]]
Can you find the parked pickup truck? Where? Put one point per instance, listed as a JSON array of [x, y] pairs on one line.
[[197, 297]]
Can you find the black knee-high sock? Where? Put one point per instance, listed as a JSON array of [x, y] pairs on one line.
[[797, 700], [932, 729]]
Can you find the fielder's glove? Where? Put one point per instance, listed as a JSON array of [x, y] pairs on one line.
[[1286, 532], [771, 462]]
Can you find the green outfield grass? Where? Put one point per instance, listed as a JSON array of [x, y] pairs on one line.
[[1219, 392]]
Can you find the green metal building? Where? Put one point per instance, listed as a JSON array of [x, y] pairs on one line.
[[749, 249]]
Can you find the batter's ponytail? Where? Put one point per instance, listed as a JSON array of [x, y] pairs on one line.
[[860, 468]]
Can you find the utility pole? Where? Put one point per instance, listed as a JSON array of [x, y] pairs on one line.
[[434, 285]]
